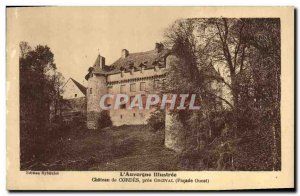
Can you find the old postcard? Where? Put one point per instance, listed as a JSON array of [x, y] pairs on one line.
[[150, 98]]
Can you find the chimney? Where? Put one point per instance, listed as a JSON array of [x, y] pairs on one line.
[[159, 47], [125, 53]]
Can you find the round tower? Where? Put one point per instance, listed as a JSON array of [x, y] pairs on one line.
[[174, 137], [96, 88]]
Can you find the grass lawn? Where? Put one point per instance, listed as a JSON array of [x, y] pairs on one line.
[[130, 148]]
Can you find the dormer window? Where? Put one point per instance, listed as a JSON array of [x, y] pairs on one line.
[[131, 67], [143, 65], [161, 64], [122, 71], [156, 65]]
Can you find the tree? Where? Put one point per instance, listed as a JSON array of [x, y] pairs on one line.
[[263, 36], [242, 56], [190, 75], [39, 87], [57, 80]]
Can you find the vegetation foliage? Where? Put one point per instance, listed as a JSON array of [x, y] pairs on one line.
[[104, 119], [39, 100], [237, 129], [240, 128], [156, 122]]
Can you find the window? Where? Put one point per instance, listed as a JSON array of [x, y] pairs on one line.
[[91, 91], [122, 99], [133, 114], [156, 83], [109, 90], [132, 87], [122, 89], [121, 116], [144, 100], [131, 99], [75, 95], [142, 86], [123, 106]]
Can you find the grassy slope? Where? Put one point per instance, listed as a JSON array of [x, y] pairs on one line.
[[112, 149]]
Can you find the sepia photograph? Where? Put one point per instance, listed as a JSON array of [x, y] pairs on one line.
[[135, 90]]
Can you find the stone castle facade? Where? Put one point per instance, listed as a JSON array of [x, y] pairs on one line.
[[137, 73], [133, 73]]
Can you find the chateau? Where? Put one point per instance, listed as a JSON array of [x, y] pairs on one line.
[[133, 73]]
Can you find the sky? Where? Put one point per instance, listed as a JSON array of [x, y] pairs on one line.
[[76, 35]]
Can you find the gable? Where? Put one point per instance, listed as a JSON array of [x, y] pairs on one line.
[[72, 89]]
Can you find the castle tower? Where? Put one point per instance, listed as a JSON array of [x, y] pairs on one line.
[[95, 89], [174, 137]]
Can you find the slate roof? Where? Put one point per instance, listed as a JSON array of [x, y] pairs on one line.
[[96, 66], [134, 60], [80, 86], [147, 59]]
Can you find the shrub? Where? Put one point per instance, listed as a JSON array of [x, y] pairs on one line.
[[157, 121], [104, 120]]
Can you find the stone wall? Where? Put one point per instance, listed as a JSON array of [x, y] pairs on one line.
[[96, 88], [92, 119], [74, 109], [174, 137]]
